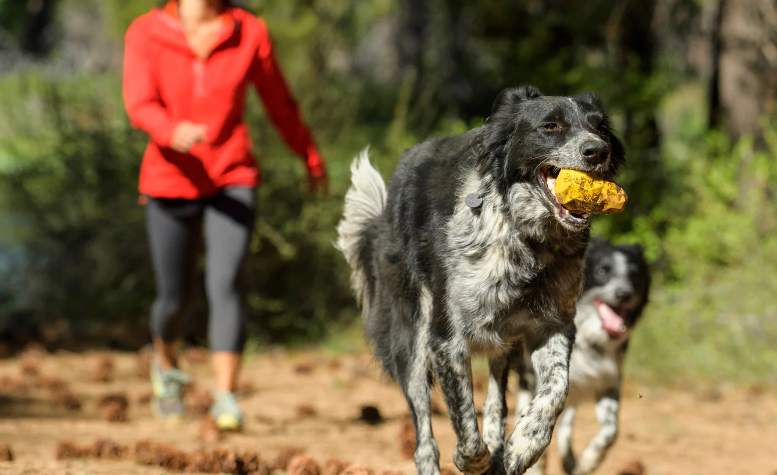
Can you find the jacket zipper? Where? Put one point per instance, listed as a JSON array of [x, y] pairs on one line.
[[199, 77]]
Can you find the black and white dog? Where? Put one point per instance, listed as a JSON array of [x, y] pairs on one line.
[[440, 279], [617, 283]]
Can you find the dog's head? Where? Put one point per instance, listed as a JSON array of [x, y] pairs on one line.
[[617, 282], [531, 137]]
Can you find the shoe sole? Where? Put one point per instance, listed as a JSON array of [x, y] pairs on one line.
[[228, 423]]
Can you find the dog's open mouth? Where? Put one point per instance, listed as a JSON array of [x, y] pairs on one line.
[[547, 177], [612, 317]]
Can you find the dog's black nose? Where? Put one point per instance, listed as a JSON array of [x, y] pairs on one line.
[[622, 295], [595, 151]]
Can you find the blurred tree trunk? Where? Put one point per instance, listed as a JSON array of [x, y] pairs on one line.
[[632, 43], [715, 47], [746, 78], [37, 19], [634, 38], [414, 17], [459, 31], [745, 83]]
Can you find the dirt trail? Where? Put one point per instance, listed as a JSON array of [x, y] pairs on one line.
[[671, 432]]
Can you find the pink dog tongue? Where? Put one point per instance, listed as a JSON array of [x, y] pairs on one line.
[[611, 321]]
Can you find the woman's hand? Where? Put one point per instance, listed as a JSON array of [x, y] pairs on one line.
[[185, 135]]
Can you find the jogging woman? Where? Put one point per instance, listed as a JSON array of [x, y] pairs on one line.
[[187, 67]]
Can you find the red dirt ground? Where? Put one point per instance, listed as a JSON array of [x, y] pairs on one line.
[[672, 432]]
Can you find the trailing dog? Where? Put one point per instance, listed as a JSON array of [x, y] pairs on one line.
[[469, 251], [617, 283]]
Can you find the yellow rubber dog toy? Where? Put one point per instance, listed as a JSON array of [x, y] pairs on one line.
[[581, 192]]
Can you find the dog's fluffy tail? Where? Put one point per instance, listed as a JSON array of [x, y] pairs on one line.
[[364, 203]]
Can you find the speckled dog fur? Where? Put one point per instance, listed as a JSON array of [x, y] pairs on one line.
[[439, 280]]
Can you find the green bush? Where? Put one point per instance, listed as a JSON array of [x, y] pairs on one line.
[[75, 194], [712, 236], [69, 183], [72, 192]]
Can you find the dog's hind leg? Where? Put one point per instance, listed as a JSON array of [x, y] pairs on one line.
[[565, 425], [495, 411], [607, 413], [417, 387], [550, 358], [454, 373]]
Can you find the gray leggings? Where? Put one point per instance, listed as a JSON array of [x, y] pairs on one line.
[[174, 229]]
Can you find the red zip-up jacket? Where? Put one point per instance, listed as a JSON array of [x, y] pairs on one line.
[[165, 83]]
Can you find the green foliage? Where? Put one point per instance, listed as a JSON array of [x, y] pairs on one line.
[[75, 195], [713, 237], [120, 13], [11, 14]]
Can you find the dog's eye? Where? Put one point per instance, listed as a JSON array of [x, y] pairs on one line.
[[604, 270], [551, 127], [603, 131]]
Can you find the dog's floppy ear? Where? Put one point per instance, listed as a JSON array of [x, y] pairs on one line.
[[514, 95], [592, 99], [618, 154], [596, 246], [597, 241], [635, 250]]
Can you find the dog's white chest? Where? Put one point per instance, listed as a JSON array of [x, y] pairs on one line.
[[591, 372], [483, 272]]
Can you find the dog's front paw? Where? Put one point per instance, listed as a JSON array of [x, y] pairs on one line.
[[472, 460], [515, 464], [522, 452]]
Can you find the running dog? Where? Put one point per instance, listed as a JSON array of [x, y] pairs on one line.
[[617, 283], [470, 251]]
